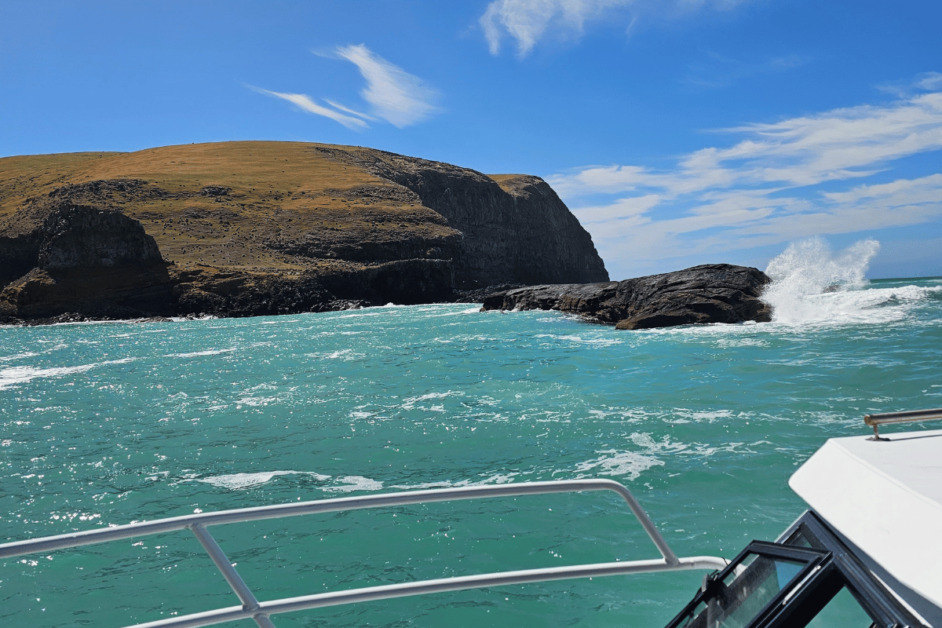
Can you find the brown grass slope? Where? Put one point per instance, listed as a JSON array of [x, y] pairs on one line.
[[285, 209], [273, 190]]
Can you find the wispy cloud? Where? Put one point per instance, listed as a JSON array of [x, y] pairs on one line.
[[304, 102], [340, 107], [926, 82], [528, 21], [392, 94], [395, 95], [780, 181]]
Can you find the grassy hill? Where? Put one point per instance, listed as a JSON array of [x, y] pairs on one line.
[[270, 192], [238, 222]]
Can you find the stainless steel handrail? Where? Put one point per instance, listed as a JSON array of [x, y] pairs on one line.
[[909, 416], [424, 587], [260, 611]]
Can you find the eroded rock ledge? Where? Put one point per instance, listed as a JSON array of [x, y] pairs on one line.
[[712, 293]]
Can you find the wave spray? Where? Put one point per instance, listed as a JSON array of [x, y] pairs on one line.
[[808, 271]]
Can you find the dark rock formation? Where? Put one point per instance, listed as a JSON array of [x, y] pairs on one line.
[[75, 236], [91, 264], [514, 228], [712, 293], [97, 263], [18, 255], [357, 248], [215, 190], [204, 290]]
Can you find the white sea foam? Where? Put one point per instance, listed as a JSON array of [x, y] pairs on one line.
[[409, 403], [708, 416], [185, 319], [254, 402], [560, 337], [617, 463], [665, 444], [813, 285], [807, 274], [344, 355], [497, 478], [371, 314], [241, 481], [350, 483], [599, 341], [472, 310], [196, 354], [23, 374], [742, 342], [18, 356]]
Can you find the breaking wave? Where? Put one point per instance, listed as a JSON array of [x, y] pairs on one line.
[[813, 284]]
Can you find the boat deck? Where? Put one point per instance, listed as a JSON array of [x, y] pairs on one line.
[[885, 497]]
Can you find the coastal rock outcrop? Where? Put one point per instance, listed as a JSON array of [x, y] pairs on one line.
[[712, 293], [75, 236], [247, 228], [513, 228], [98, 263]]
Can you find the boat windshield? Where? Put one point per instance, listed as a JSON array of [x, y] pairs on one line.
[[761, 578], [733, 601]]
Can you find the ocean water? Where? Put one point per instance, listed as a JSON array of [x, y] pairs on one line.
[[111, 423]]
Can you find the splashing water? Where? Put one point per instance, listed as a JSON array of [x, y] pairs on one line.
[[807, 270]]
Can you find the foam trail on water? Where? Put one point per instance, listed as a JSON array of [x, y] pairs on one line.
[[808, 269]]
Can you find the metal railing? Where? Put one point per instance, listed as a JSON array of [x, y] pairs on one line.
[[909, 416], [251, 608]]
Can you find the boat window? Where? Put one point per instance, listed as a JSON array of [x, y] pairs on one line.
[[743, 593], [763, 575], [843, 610], [800, 539]]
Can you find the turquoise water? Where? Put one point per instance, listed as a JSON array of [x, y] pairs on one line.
[[117, 422]]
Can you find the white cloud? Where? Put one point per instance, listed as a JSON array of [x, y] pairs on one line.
[[393, 94], [902, 191], [304, 102], [528, 21], [840, 144], [926, 82], [930, 81], [340, 107], [619, 210], [766, 188]]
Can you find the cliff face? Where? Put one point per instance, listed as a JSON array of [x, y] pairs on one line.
[[100, 263], [712, 293], [248, 228], [76, 236], [514, 228]]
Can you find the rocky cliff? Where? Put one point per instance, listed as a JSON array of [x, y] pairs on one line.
[[514, 228], [713, 293], [100, 263], [246, 228]]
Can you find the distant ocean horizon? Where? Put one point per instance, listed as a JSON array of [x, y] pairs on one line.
[[109, 423]]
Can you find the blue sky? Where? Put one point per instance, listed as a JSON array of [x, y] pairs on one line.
[[680, 132]]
